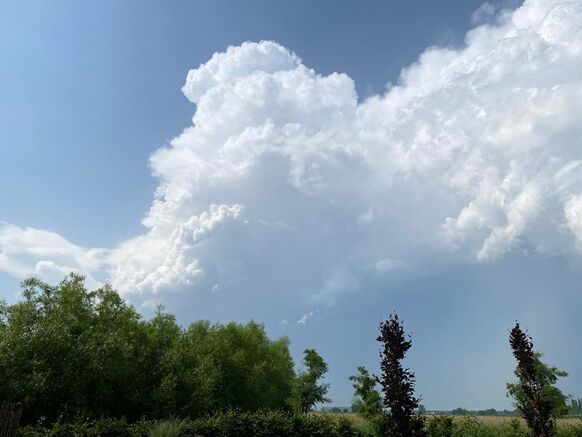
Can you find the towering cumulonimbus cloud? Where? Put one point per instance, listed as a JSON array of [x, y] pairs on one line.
[[473, 153]]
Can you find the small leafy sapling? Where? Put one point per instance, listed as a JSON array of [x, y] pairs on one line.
[[310, 391], [367, 400]]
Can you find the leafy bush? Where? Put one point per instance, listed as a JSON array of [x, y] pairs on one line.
[[469, 426], [515, 429], [224, 424], [440, 426], [268, 423]]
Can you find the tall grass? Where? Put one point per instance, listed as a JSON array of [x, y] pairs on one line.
[[169, 428]]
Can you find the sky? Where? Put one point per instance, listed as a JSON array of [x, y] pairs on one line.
[[313, 166]]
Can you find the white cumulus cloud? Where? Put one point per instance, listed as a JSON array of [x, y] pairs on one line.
[[47, 255], [284, 174]]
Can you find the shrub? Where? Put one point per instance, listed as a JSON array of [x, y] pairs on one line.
[[224, 424], [440, 426], [346, 428], [469, 426], [515, 429]]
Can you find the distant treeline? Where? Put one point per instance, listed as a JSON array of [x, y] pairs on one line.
[[574, 410], [487, 412]]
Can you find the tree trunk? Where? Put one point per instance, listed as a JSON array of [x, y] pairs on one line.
[[9, 418]]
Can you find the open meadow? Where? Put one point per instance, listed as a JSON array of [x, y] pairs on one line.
[[470, 426]]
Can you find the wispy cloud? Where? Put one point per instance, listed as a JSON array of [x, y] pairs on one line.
[[304, 318]]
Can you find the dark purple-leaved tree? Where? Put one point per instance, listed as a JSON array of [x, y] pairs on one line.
[[397, 382]]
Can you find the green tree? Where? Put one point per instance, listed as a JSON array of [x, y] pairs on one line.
[[534, 393], [210, 367], [309, 391], [69, 352], [66, 351], [367, 400]]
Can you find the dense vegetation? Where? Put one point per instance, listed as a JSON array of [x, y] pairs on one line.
[[276, 423], [84, 363], [230, 423], [66, 353]]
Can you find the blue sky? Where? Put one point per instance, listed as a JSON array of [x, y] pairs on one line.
[[314, 202]]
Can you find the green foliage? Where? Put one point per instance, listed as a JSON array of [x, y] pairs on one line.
[[440, 426], [280, 423], [265, 423], [570, 430], [534, 393], [213, 367], [66, 352], [515, 429], [309, 391], [546, 377], [367, 400], [98, 428], [229, 423], [471, 426]]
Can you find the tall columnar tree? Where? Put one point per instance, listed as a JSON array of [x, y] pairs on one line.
[[534, 393], [310, 391], [397, 382]]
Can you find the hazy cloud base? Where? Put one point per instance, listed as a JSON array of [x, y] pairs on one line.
[[286, 184]]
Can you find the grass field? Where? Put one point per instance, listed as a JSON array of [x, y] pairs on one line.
[[503, 420], [574, 420], [488, 425]]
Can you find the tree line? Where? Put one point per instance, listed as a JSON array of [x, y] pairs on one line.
[[67, 352]]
